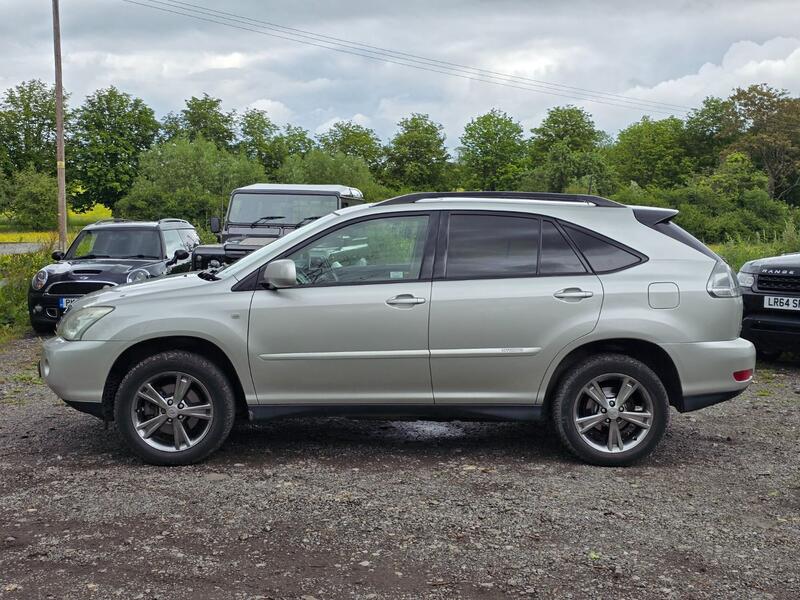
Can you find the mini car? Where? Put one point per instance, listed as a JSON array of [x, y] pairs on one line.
[[106, 254]]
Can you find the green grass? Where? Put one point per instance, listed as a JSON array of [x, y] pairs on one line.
[[76, 221]]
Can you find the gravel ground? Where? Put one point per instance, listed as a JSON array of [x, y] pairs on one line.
[[338, 509]]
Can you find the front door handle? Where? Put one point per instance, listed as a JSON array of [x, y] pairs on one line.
[[405, 300], [572, 294]]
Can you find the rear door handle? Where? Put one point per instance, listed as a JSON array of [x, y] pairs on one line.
[[405, 300], [572, 294]]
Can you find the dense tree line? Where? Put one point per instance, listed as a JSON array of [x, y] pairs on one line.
[[732, 166]]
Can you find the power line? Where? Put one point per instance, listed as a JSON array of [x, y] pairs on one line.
[[197, 15], [417, 58]]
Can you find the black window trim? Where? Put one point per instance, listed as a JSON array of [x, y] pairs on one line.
[[440, 261], [251, 281], [565, 225]]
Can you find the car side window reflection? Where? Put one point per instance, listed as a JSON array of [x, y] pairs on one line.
[[378, 250]]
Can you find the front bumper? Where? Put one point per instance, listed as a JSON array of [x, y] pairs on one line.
[[706, 370], [44, 308], [77, 371], [770, 331]]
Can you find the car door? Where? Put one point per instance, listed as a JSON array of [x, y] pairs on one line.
[[355, 328], [509, 292]]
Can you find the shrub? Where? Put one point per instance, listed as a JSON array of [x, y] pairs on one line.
[[32, 200], [16, 271]]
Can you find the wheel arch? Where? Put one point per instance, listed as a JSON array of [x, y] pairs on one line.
[[151, 346], [649, 353]]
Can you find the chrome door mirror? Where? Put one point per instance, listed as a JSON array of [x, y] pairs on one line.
[[280, 274]]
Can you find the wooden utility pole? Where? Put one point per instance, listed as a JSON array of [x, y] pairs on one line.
[[60, 166]]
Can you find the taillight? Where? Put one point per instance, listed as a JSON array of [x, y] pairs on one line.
[[722, 282], [743, 375]]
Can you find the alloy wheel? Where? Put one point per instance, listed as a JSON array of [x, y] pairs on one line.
[[172, 411], [613, 413]]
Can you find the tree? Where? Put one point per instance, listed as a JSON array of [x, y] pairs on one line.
[[568, 125], [187, 179], [28, 127], [771, 123], [711, 129], [319, 167], [111, 129], [652, 153], [351, 139], [492, 150], [32, 200], [202, 117], [262, 140], [416, 156]]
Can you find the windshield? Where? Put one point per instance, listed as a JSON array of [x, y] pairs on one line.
[[116, 243], [282, 209]]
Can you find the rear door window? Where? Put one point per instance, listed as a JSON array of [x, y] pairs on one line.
[[485, 246], [558, 257], [603, 256]]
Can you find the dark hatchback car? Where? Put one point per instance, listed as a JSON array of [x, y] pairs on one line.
[[771, 293], [105, 254]]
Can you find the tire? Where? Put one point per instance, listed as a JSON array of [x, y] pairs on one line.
[[183, 439], [42, 328], [768, 354], [599, 443]]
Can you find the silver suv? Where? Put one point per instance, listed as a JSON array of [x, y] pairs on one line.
[[455, 306]]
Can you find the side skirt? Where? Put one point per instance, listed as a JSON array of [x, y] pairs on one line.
[[401, 412]]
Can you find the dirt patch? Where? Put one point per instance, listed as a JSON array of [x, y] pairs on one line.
[[330, 508]]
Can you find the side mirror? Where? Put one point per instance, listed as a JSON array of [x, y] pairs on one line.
[[57, 255], [214, 225], [180, 254], [280, 274]]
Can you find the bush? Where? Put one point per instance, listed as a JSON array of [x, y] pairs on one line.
[[16, 271], [187, 179], [32, 200]]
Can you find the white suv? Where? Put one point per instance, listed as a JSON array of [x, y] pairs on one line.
[[474, 305]]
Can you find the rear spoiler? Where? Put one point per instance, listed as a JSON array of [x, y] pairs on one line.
[[651, 216]]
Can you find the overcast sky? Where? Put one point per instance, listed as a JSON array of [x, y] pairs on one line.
[[674, 52]]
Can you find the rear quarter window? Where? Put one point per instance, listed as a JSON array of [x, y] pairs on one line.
[[603, 255]]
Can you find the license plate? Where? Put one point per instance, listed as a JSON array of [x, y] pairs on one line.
[[781, 302], [65, 302]]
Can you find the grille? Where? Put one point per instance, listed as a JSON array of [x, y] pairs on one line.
[[779, 283], [76, 288]]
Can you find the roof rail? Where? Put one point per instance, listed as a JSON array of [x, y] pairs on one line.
[[546, 196], [101, 221], [172, 220]]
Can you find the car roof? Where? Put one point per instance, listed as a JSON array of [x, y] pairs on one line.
[[341, 190], [130, 224]]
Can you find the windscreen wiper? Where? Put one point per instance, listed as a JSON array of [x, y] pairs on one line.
[[267, 218], [302, 222], [209, 275], [92, 256]]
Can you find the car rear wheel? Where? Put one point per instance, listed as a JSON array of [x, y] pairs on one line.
[[611, 410], [174, 408]]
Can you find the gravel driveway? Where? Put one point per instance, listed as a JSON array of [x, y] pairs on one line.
[[338, 509]]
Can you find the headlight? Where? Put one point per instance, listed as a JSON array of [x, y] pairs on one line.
[[722, 282], [75, 323], [746, 280], [138, 275], [39, 280]]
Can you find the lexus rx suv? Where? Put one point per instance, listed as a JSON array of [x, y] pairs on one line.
[[444, 306]]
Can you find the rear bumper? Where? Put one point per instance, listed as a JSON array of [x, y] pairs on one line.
[[706, 370]]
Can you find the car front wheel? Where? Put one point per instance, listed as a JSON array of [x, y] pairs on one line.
[[611, 410], [174, 408]]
